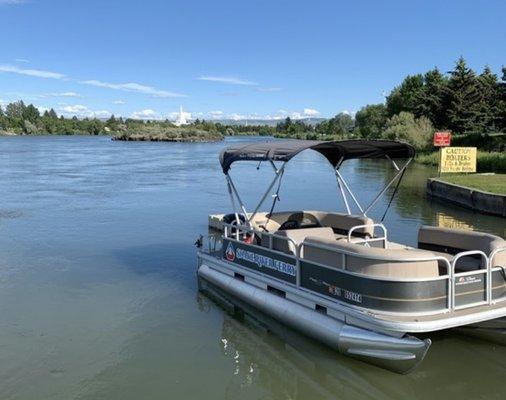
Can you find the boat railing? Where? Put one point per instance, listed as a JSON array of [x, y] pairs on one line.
[[236, 231], [460, 278], [366, 240], [454, 279]]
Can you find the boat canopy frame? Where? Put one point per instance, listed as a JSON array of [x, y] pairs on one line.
[[336, 152]]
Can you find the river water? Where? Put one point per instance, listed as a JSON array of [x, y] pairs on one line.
[[98, 293]]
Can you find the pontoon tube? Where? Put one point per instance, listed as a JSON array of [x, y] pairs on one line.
[[400, 355]]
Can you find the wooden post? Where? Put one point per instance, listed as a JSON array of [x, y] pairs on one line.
[[440, 161]]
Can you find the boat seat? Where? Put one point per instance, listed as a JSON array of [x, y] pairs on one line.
[[463, 264], [393, 267], [448, 242], [342, 223], [274, 222], [297, 236]]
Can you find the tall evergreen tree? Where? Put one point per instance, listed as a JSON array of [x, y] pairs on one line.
[[432, 99], [31, 113], [501, 107], [464, 98], [52, 114], [489, 101]]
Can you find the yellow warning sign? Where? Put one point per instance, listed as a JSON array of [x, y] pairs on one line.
[[458, 159]]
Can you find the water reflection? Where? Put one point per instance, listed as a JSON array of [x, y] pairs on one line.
[[286, 365]]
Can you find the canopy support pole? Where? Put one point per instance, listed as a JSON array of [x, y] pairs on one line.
[[278, 173], [399, 173], [231, 185], [233, 202], [343, 194], [393, 162], [349, 191]]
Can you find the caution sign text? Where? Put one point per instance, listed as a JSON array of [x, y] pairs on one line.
[[458, 159]]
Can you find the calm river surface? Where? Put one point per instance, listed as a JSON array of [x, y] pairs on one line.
[[98, 293]]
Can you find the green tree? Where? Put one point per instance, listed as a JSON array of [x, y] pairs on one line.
[[52, 114], [15, 110], [464, 99], [404, 126], [489, 100], [501, 106], [31, 114], [370, 120], [112, 123], [432, 99], [405, 97]]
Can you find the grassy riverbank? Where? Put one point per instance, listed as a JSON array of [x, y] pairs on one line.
[[168, 134], [493, 183], [485, 161]]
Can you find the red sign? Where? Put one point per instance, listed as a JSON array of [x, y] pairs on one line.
[[442, 139]]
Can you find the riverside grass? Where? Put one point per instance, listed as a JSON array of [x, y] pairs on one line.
[[493, 183], [485, 161]]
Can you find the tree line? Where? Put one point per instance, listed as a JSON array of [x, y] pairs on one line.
[[461, 101], [468, 104], [19, 118]]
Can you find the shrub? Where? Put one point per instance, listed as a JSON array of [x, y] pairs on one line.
[[416, 131]]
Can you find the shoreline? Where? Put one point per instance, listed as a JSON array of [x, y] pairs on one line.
[[473, 199]]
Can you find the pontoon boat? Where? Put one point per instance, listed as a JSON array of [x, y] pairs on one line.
[[337, 278]]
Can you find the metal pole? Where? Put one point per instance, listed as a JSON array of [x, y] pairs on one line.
[[350, 192], [343, 194], [278, 174], [233, 201], [386, 187], [238, 198]]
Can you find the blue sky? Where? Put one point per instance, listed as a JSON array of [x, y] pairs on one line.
[[226, 59]]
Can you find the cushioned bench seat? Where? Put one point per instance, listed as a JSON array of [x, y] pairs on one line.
[[448, 242], [294, 237], [390, 266]]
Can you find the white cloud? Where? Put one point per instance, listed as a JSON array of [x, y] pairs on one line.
[[31, 72], [118, 102], [22, 60], [10, 2], [133, 87], [145, 114], [66, 94], [268, 89], [81, 111], [228, 80], [215, 114], [77, 109], [279, 115], [311, 112]]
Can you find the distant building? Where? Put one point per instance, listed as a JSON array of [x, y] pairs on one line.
[[181, 118]]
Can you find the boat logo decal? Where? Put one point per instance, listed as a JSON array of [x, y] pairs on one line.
[[235, 253], [230, 253], [466, 280]]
